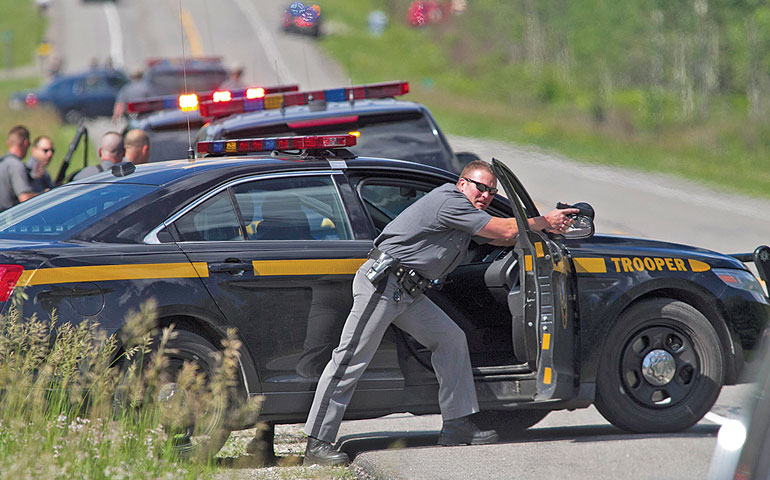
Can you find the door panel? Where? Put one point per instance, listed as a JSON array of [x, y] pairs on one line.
[[282, 272], [543, 333]]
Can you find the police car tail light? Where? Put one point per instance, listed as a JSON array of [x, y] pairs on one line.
[[31, 99], [256, 145], [167, 102], [188, 102], [289, 99], [9, 275]]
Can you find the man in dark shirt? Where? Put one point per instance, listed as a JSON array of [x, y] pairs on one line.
[[424, 243]]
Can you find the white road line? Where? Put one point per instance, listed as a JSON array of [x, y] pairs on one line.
[[116, 34], [714, 418], [262, 32]]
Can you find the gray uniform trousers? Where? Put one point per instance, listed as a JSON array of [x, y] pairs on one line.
[[374, 309]]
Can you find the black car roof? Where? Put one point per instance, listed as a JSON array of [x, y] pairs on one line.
[[168, 119], [165, 173]]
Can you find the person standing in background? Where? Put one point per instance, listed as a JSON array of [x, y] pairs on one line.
[[111, 151], [14, 180], [137, 145], [37, 164]]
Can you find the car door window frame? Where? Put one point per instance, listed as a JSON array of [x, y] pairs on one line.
[[168, 224]]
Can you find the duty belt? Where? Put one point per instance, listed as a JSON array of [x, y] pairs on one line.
[[412, 282]]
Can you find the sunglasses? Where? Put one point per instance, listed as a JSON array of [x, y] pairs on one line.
[[482, 187]]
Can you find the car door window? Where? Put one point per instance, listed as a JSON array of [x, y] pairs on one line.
[[294, 208], [384, 201], [212, 221]]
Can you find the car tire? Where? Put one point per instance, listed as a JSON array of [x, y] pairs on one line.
[[661, 368], [72, 116], [204, 435], [508, 423]]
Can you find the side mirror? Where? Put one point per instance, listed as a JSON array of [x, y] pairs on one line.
[[582, 222], [582, 227]]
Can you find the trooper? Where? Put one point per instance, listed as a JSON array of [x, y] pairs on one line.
[[111, 150], [420, 246]]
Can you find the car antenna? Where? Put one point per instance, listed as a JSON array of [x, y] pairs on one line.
[[190, 151]]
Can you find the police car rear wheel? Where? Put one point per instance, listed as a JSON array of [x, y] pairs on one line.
[[508, 423], [193, 417], [661, 369]]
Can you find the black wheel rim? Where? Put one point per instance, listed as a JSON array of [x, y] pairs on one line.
[[206, 422], [679, 367]]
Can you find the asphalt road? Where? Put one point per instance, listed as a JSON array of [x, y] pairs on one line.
[[577, 444]]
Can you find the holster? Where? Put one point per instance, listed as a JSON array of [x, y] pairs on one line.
[[383, 263], [412, 282]]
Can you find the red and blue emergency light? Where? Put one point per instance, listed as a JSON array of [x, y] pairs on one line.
[[280, 100], [257, 145], [191, 101]]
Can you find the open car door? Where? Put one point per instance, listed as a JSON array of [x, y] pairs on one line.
[[543, 323]]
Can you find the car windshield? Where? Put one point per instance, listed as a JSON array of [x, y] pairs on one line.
[[403, 136], [59, 213], [172, 82]]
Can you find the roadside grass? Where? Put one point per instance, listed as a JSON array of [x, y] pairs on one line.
[[726, 150], [59, 417], [76, 403], [21, 30], [40, 121]]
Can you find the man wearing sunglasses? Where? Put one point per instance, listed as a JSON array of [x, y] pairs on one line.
[[423, 244], [37, 164]]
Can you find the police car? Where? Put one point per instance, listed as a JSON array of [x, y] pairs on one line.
[[170, 119], [265, 235], [385, 127]]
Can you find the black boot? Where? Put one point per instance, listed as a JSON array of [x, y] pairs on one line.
[[462, 431], [319, 452]]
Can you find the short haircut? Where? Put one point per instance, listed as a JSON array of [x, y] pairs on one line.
[[477, 165], [37, 140], [18, 134], [136, 138]]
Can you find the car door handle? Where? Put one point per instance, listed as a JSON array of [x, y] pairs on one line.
[[231, 267]]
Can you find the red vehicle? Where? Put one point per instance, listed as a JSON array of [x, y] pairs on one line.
[[301, 18]]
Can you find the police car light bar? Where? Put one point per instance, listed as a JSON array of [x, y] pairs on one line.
[[191, 101], [278, 100], [256, 145]]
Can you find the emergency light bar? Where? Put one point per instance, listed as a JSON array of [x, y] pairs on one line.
[[256, 145], [191, 101], [279, 100]]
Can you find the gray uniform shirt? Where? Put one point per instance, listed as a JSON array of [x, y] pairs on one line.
[[13, 181], [106, 165], [432, 235]]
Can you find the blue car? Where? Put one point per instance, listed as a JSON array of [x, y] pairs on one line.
[[87, 94]]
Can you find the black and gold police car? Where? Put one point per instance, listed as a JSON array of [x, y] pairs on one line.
[[268, 243]]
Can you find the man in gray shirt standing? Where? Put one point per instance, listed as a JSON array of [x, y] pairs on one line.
[[111, 151], [425, 242], [14, 180]]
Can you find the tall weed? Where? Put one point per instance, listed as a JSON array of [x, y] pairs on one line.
[[77, 403]]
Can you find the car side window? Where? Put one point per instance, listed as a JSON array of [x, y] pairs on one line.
[[212, 221], [385, 201], [292, 208]]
